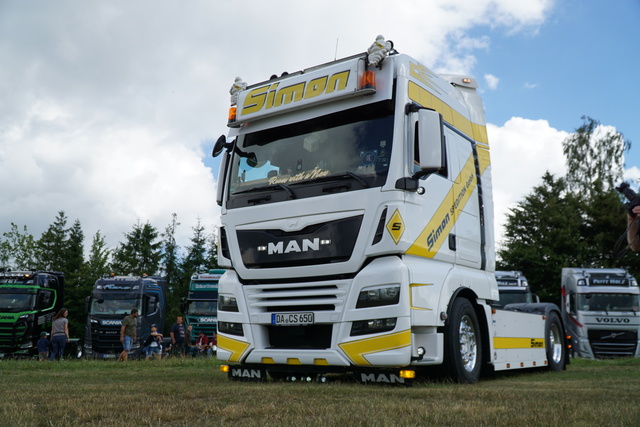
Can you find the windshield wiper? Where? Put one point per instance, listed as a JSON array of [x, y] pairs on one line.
[[341, 176], [268, 188]]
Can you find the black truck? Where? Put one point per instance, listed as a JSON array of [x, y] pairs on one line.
[[111, 299], [28, 302]]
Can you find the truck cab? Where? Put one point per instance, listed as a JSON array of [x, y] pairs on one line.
[[357, 228], [200, 308], [600, 306], [514, 289], [111, 300], [28, 302]]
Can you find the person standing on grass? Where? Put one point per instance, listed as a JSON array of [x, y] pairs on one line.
[[128, 334], [178, 335], [59, 334]]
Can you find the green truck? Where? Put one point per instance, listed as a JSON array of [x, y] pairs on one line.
[[201, 305], [28, 302]]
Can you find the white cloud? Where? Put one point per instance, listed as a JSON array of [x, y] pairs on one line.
[[522, 150], [105, 106], [492, 81]]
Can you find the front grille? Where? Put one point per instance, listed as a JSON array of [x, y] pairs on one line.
[[317, 297], [11, 335], [309, 337], [106, 339], [295, 297], [608, 344]]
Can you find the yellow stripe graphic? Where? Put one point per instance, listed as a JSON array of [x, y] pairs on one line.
[[473, 130], [435, 233], [356, 350], [235, 347], [507, 343]]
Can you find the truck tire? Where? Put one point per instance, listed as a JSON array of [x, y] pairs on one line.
[[556, 350], [463, 343]]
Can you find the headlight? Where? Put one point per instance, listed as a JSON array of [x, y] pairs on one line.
[[582, 282], [378, 296], [373, 326], [227, 303], [231, 328]]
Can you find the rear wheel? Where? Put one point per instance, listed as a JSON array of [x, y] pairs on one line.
[[463, 343], [556, 350]]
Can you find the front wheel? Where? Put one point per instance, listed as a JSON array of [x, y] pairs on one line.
[[554, 341], [463, 343]]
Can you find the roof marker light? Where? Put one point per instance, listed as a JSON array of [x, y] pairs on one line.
[[232, 114], [368, 80]]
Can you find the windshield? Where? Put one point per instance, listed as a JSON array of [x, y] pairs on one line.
[[608, 302], [202, 307], [113, 306], [514, 297], [353, 142], [15, 302]]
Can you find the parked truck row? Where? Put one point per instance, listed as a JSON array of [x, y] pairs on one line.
[[30, 299]]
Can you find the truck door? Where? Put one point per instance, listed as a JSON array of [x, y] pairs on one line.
[[465, 206]]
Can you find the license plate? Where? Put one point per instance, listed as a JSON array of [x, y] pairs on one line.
[[291, 319]]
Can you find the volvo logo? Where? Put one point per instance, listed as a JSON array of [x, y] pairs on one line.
[[305, 245], [612, 335], [612, 320]]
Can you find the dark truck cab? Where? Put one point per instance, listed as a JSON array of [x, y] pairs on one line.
[[28, 302], [113, 298]]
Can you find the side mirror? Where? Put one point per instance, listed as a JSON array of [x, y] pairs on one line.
[[430, 143], [220, 145]]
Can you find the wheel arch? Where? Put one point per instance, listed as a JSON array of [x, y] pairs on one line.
[[471, 296]]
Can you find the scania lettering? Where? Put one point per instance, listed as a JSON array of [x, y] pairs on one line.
[[28, 302], [357, 229], [201, 305], [113, 298], [600, 307]]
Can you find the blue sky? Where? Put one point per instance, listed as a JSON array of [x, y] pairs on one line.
[[583, 60], [108, 110]]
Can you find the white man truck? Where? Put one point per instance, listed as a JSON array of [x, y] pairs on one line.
[[600, 307], [514, 288], [357, 227]]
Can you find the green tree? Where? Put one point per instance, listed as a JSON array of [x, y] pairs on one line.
[[140, 253], [573, 221], [171, 267], [594, 157], [21, 248], [97, 263], [212, 250], [196, 256], [544, 233], [52, 245]]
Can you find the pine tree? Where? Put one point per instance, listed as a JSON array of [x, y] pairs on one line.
[[51, 246], [140, 254]]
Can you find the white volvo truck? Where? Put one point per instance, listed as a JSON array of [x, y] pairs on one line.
[[600, 309], [357, 229]]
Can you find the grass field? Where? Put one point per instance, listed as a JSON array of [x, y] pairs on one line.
[[192, 392]]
